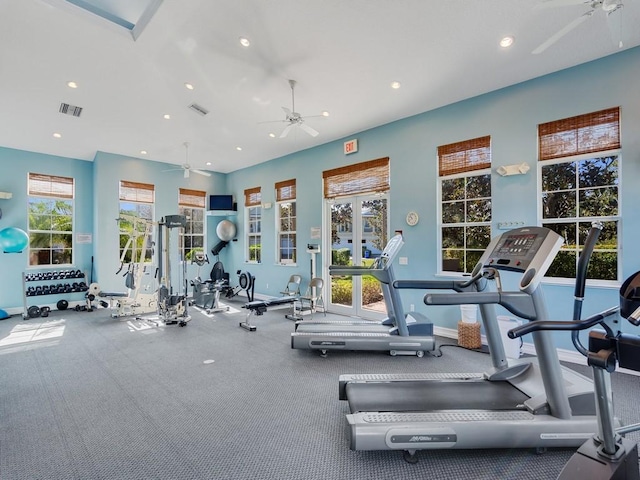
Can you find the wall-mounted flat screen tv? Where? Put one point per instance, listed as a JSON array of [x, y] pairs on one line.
[[221, 202]]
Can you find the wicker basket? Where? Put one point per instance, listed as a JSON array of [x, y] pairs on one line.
[[469, 335]]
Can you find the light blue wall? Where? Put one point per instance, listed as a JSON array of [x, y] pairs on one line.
[[510, 116], [15, 166], [108, 170]]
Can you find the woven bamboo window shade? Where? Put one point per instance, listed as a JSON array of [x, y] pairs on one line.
[[252, 197], [466, 156], [286, 190], [592, 132], [192, 198], [365, 177], [41, 185], [137, 192]]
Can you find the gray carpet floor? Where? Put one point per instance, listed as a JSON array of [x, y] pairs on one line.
[[87, 396]]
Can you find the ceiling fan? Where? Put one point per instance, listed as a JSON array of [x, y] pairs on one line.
[[607, 6], [293, 118], [186, 167]]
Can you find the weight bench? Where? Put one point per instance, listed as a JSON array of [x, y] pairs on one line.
[[258, 307]]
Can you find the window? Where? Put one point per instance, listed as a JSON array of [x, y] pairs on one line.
[[286, 226], [579, 162], [192, 204], [465, 202], [50, 219], [136, 220], [253, 219]]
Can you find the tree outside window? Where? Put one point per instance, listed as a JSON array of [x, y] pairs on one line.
[[465, 203], [136, 215], [192, 204], [579, 171], [50, 212], [287, 221], [253, 219]]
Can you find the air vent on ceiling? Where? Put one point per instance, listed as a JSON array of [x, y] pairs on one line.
[[198, 109], [72, 110]]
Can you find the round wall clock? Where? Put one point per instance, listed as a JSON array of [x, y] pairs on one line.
[[412, 218]]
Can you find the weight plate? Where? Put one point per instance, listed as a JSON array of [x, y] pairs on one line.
[[33, 311]]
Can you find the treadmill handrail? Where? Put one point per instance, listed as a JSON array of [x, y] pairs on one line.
[[457, 285], [519, 303], [562, 325], [352, 270]]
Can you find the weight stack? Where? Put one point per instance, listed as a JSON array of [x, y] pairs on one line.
[[469, 335]]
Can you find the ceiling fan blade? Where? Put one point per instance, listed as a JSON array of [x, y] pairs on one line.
[[201, 172], [308, 129], [287, 111], [614, 22], [286, 130], [562, 32], [561, 3]]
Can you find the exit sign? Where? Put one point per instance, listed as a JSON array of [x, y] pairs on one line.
[[351, 146]]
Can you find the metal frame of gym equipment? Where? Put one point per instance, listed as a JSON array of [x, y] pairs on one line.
[[258, 307], [206, 294], [607, 455], [172, 307], [399, 334], [139, 300], [530, 403]]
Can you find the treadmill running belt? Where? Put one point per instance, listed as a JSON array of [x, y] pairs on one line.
[[427, 396]]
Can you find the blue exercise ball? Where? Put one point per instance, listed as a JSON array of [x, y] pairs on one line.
[[13, 240]]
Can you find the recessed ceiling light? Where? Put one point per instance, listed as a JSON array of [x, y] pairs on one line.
[[208, 163], [325, 114], [395, 85], [239, 148], [72, 85], [166, 116], [143, 152], [189, 86], [506, 42], [244, 42], [272, 135], [57, 135]]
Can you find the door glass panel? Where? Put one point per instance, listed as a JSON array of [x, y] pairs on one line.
[[373, 238], [342, 252]]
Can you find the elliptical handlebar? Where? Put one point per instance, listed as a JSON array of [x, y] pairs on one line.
[[573, 325], [581, 280]]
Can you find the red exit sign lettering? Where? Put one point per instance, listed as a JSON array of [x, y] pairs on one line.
[[351, 146]]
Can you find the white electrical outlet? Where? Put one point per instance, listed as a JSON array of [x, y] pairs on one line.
[[267, 286], [403, 260], [412, 307]]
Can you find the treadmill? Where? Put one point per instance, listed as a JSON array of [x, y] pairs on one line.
[[528, 403], [400, 333]]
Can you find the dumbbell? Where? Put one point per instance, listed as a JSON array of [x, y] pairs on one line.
[[44, 311], [30, 291]]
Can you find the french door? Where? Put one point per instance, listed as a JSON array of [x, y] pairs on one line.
[[359, 230]]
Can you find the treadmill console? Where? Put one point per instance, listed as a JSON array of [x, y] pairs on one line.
[[528, 250], [391, 250]]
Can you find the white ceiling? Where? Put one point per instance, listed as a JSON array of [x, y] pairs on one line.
[[344, 55]]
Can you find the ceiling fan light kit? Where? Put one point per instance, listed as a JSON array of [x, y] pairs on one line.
[[186, 167], [294, 119]]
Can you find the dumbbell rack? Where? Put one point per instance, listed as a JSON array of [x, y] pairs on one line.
[[58, 282]]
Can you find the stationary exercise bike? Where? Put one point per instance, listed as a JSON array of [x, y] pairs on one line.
[[607, 455]]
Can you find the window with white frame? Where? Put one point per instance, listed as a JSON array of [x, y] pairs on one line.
[[253, 222], [286, 221], [465, 203], [135, 221], [192, 204], [579, 163], [50, 205]]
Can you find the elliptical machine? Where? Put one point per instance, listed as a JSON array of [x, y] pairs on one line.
[[607, 455]]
